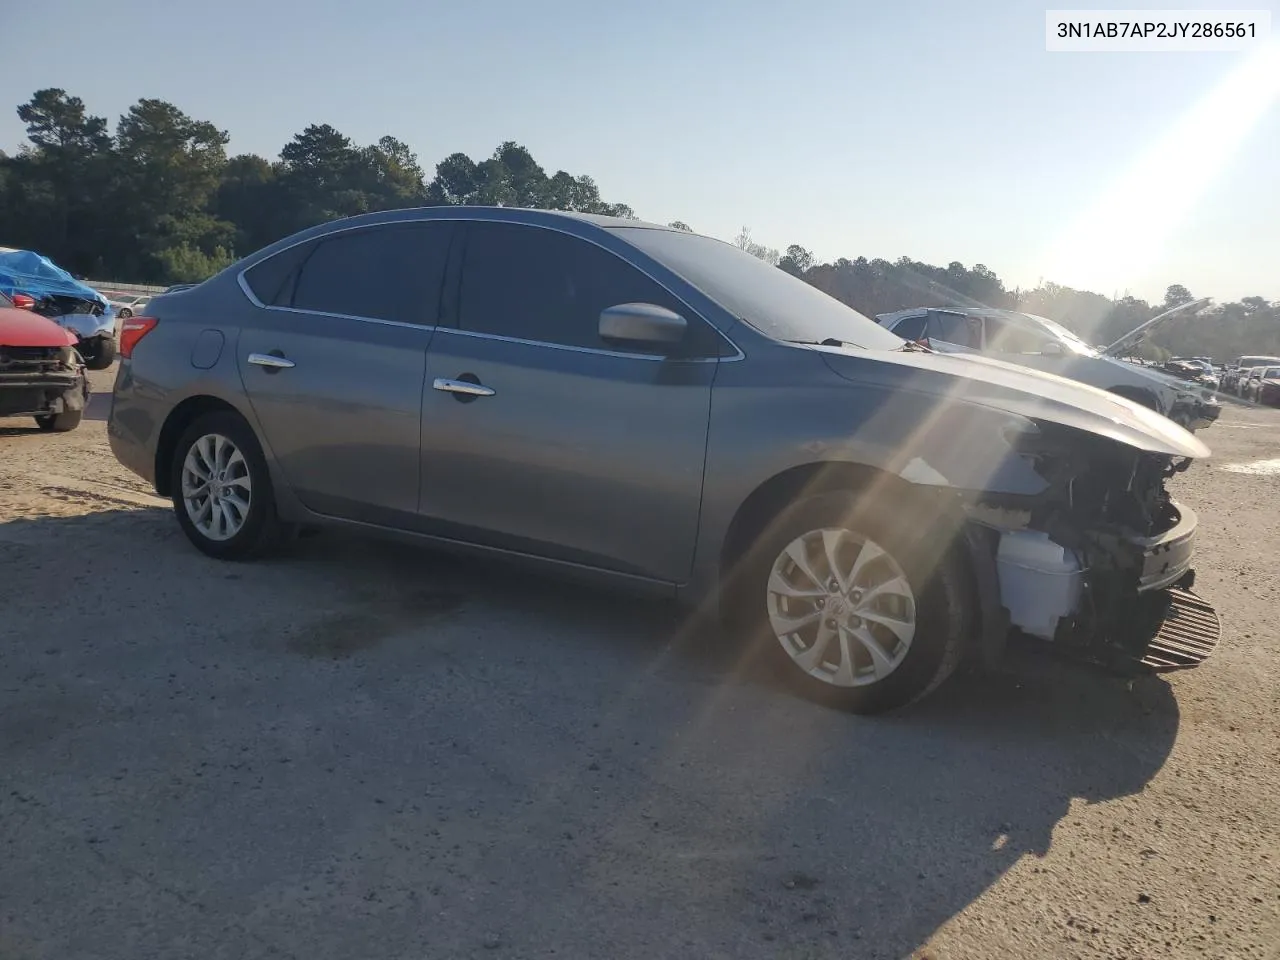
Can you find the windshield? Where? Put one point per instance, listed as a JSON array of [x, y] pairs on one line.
[[1061, 333], [771, 300]]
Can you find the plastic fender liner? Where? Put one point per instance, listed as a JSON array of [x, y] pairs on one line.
[[993, 630]]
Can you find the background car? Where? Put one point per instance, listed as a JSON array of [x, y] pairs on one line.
[[1266, 386], [41, 374], [1259, 384], [644, 406], [1237, 371], [59, 296], [1042, 344], [1198, 370], [126, 305]]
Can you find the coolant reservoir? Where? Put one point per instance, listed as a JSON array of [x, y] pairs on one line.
[[1040, 581]]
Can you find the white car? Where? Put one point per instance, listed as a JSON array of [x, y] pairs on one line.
[[1041, 343], [126, 305]]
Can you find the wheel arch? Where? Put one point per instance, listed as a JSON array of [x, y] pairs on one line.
[[934, 520], [770, 498], [1140, 395], [181, 417]]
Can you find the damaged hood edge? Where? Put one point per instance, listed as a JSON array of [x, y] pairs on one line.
[[998, 385]]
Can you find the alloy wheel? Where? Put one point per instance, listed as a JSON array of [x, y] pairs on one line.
[[216, 487], [842, 607]]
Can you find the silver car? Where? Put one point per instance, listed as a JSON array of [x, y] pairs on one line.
[[1041, 344], [648, 407]]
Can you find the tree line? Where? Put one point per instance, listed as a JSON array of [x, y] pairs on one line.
[[158, 200]]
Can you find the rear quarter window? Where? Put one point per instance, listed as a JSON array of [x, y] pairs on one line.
[[271, 280]]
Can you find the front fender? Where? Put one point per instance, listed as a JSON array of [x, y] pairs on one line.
[[812, 418], [86, 326]]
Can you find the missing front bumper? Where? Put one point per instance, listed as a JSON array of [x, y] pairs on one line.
[[1187, 632], [42, 394]]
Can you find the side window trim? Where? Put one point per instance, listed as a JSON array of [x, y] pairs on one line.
[[454, 286], [291, 281]]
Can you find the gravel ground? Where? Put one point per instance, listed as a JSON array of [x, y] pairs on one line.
[[358, 750]]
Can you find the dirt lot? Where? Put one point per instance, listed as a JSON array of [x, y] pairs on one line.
[[358, 750]]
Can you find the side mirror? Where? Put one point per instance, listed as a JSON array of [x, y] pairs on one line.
[[642, 323], [1052, 348]]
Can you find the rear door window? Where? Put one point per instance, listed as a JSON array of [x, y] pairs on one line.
[[271, 280], [386, 272]]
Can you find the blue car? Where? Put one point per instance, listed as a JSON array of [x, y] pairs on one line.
[[62, 298]]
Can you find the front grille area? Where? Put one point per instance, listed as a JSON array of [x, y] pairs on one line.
[[29, 359]]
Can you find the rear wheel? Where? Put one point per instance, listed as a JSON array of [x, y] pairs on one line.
[[858, 603], [60, 422], [221, 489]]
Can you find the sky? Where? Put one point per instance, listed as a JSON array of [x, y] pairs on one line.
[[937, 130]]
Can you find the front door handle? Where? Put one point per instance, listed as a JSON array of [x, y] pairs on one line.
[[272, 361], [467, 388]]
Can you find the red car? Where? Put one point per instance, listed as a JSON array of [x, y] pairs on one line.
[[41, 373]]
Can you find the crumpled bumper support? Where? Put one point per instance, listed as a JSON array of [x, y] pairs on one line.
[[1187, 634]]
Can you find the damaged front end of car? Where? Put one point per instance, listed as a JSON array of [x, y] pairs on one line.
[[42, 381], [1097, 561]]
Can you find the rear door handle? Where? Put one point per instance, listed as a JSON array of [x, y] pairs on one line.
[[271, 361], [463, 387]]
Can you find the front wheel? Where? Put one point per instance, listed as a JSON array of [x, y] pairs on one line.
[[99, 354], [221, 487], [59, 422], [859, 603]]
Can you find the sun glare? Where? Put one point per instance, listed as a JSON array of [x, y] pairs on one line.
[[1122, 233]]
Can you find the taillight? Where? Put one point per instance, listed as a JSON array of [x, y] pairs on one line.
[[23, 302], [133, 330]]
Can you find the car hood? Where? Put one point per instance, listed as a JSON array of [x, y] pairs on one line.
[[22, 328], [973, 378], [1144, 330]]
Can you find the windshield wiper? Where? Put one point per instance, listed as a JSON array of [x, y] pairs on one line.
[[911, 346], [829, 342]]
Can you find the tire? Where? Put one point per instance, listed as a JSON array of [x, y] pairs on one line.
[[102, 356], [60, 422], [938, 593], [239, 533], [125, 313]]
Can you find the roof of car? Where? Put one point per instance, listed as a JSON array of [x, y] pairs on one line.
[[529, 214], [525, 215]]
